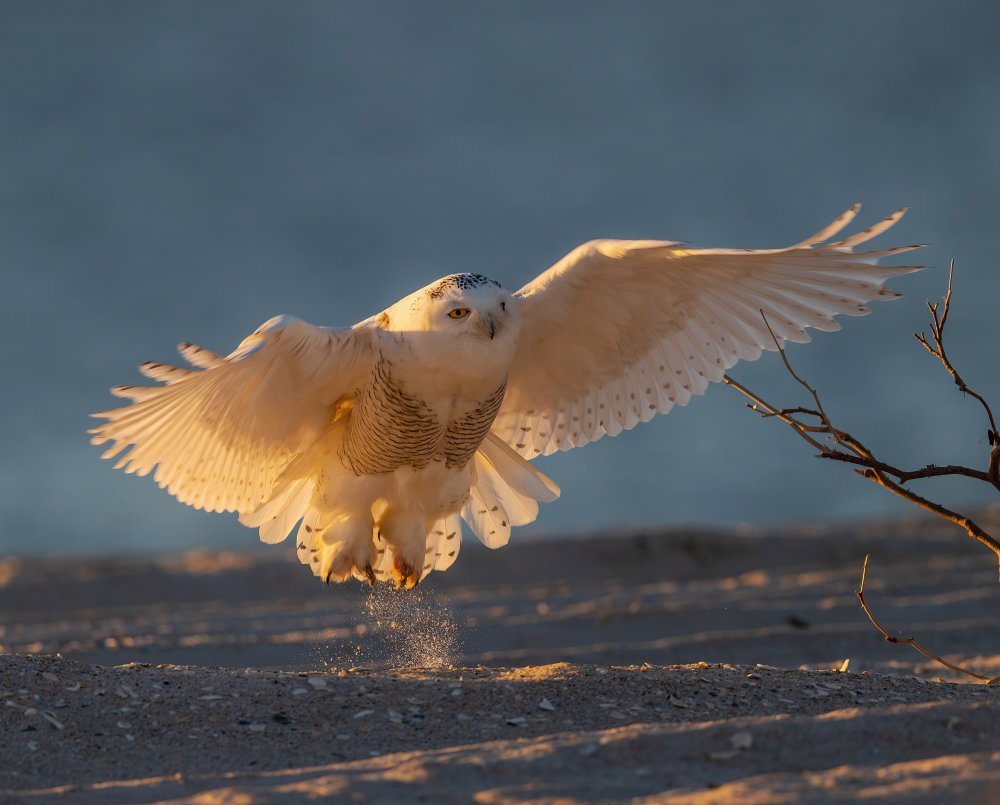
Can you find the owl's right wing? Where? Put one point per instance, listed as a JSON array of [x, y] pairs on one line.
[[220, 434], [619, 331]]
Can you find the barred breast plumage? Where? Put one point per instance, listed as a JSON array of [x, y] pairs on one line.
[[464, 435], [390, 428]]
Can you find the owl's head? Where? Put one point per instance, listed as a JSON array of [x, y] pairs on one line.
[[459, 304]]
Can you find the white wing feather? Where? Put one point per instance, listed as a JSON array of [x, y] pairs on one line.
[[220, 436], [619, 331]]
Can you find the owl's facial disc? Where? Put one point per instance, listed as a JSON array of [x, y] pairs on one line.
[[472, 304]]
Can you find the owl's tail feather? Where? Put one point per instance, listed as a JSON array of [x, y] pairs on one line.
[[506, 490], [443, 542]]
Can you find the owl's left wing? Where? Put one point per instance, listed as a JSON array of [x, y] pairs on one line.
[[220, 434], [619, 331]]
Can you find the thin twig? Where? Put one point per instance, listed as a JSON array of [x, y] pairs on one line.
[[930, 471], [769, 410], [909, 641], [938, 321], [815, 395]]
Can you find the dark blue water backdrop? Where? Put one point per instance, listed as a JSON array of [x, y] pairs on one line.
[[185, 170]]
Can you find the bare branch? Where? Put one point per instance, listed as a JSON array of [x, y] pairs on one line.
[[909, 641], [967, 523], [787, 415], [812, 424], [849, 450], [904, 476], [938, 321]]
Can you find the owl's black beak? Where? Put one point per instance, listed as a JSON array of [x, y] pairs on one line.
[[489, 325]]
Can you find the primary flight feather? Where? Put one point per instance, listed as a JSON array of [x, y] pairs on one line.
[[378, 440]]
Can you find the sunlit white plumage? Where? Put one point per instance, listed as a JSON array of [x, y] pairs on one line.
[[379, 439]]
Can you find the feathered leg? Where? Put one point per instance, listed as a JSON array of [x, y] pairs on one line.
[[336, 551]]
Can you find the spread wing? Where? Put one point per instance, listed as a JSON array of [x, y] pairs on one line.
[[220, 434], [619, 331]]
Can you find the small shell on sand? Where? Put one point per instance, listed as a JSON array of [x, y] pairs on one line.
[[55, 722]]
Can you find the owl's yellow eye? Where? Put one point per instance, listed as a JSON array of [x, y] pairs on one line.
[[459, 313]]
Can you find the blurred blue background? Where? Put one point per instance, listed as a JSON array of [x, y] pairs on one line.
[[185, 170]]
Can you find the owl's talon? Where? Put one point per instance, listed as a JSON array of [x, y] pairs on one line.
[[370, 574], [404, 574]]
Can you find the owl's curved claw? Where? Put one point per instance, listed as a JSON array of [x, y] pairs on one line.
[[369, 574], [411, 582], [404, 574]]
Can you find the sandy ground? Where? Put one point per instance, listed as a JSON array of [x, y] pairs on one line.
[[684, 666]]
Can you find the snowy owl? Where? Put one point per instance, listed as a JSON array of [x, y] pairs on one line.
[[379, 439]]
